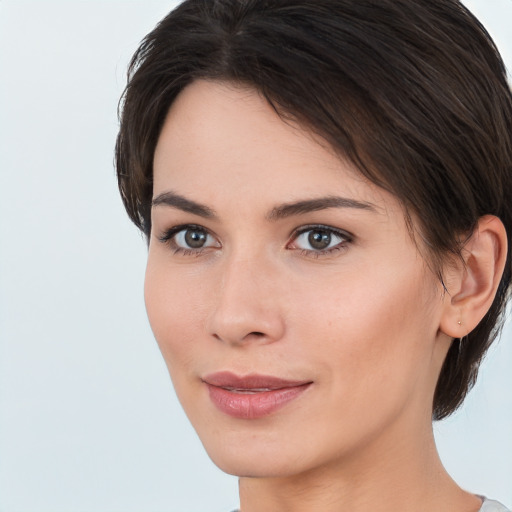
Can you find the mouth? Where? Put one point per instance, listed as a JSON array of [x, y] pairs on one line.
[[252, 396]]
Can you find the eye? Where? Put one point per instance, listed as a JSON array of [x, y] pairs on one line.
[[319, 240], [189, 239]]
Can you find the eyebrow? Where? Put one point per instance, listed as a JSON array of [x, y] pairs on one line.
[[182, 203], [174, 200], [314, 205]]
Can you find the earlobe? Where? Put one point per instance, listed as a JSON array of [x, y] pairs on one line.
[[473, 284]]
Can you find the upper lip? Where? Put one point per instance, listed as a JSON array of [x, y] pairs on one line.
[[253, 381]]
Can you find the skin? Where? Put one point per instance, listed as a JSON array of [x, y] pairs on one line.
[[367, 323]]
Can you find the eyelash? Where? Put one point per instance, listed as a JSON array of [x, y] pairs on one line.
[[168, 237], [346, 238]]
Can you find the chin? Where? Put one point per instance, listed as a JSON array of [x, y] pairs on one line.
[[241, 466], [250, 456]]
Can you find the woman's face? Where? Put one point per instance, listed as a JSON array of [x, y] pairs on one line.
[[299, 322]]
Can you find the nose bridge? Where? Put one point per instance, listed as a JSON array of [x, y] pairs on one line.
[[246, 307]]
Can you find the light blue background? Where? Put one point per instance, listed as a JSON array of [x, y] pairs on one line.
[[88, 419]]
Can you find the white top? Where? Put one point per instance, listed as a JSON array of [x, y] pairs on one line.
[[493, 506]]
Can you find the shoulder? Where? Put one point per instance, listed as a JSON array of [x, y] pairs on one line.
[[493, 506]]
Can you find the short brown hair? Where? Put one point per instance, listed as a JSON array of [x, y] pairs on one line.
[[414, 92]]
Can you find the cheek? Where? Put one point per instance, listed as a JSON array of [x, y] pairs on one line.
[[372, 328], [175, 312]]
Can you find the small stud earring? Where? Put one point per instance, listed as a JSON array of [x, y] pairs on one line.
[[459, 322]]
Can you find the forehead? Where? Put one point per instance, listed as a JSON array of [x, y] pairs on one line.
[[220, 141], [225, 120]]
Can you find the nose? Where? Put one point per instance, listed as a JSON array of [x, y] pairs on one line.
[[247, 304]]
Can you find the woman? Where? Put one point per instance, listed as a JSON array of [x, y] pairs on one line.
[[324, 187]]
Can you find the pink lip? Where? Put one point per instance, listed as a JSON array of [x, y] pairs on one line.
[[251, 396]]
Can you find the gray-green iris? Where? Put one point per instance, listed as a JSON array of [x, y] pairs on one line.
[[195, 239], [319, 239]]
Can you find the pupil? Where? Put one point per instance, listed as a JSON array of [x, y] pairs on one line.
[[195, 239], [319, 239]]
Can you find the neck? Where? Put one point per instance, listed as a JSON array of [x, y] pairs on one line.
[[397, 477]]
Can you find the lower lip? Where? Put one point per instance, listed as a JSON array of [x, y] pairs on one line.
[[249, 406]]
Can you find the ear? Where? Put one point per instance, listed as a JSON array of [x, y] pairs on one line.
[[472, 283]]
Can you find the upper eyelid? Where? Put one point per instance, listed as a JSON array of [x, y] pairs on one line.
[[304, 229], [170, 232], [299, 229]]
